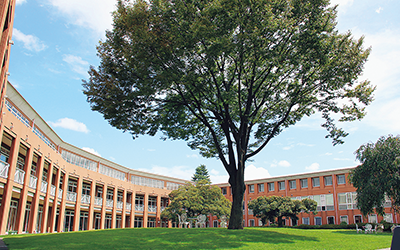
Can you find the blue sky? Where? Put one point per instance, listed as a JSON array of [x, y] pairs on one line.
[[55, 43]]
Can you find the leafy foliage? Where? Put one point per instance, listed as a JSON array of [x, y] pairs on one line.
[[378, 176], [227, 76], [276, 207], [201, 198], [201, 174]]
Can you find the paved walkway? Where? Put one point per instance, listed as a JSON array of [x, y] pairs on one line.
[[3, 245]]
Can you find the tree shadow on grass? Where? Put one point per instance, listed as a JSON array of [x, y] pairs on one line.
[[155, 238]]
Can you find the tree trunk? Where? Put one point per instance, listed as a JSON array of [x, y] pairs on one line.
[[238, 189]]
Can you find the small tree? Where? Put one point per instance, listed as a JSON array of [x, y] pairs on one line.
[[201, 174], [378, 176], [276, 207], [201, 198]]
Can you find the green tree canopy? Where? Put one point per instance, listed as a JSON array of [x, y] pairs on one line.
[[201, 198], [227, 75], [276, 207], [201, 174], [378, 176]]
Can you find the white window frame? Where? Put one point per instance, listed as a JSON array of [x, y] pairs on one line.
[[372, 218], [260, 187], [251, 188], [328, 178], [305, 220], [315, 220], [314, 182], [292, 184], [281, 187], [302, 182], [354, 217], [271, 184], [327, 219], [388, 218], [341, 179], [344, 218]]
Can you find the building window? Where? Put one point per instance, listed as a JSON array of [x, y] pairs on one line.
[[215, 223], [388, 218], [318, 221], [138, 221], [304, 183], [341, 179], [347, 201], [344, 218], [83, 221], [271, 187], [372, 218], [251, 188], [331, 220], [251, 223], [328, 180], [223, 190], [260, 223], [292, 184], [97, 220], [151, 222], [260, 188], [281, 185], [118, 221], [324, 202], [306, 221], [357, 219], [108, 220], [315, 182]]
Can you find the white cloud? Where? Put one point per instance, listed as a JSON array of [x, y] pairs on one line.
[[328, 153], [252, 172], [30, 42], [77, 64], [313, 167], [379, 10], [19, 2], [92, 14], [91, 150], [282, 163], [342, 159], [192, 156], [288, 147], [70, 124]]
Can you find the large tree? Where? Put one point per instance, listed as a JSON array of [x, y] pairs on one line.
[[227, 75], [201, 198], [276, 207], [378, 176]]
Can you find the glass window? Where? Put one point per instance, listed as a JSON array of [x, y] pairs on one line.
[[341, 179], [315, 182], [260, 188], [344, 218], [328, 180], [357, 219], [306, 221], [223, 190], [281, 185], [251, 223], [372, 218], [304, 183], [292, 184], [251, 188], [318, 221], [331, 220], [271, 186]]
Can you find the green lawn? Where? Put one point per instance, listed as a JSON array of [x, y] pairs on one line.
[[208, 238]]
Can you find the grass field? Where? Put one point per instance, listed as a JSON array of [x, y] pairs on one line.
[[206, 238]]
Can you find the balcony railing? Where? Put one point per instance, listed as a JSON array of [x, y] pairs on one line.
[[60, 193], [19, 176], [43, 187], [85, 199], [128, 206], [152, 209], [53, 190], [32, 181], [109, 203], [71, 196], [120, 204], [139, 207], [4, 169], [98, 201]]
